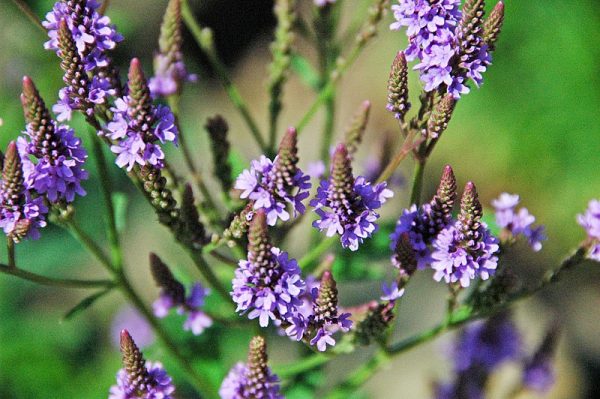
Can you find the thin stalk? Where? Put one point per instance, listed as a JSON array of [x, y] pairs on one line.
[[360, 376], [203, 38], [25, 9], [105, 186], [309, 261], [405, 149], [10, 250], [54, 282], [104, 7], [89, 243], [302, 365], [417, 186], [208, 274], [204, 387]]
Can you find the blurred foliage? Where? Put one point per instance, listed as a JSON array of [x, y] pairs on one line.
[[532, 129]]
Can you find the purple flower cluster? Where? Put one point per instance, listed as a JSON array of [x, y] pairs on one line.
[[447, 53], [261, 184], [22, 212], [136, 143], [457, 258], [590, 221], [518, 222], [197, 321], [157, 385], [58, 170], [268, 287], [94, 36], [168, 75], [235, 383]]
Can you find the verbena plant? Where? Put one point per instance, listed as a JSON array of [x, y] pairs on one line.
[[232, 236]]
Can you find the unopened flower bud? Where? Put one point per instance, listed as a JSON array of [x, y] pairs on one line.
[[356, 130], [398, 87], [442, 112]]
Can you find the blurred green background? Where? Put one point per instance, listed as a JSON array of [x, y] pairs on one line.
[[533, 129]]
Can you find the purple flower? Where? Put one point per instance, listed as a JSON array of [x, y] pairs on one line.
[[168, 76], [518, 222], [539, 376], [272, 185], [138, 144], [92, 33], [346, 206], [158, 386], [590, 221], [414, 221], [21, 214], [487, 344], [458, 259], [130, 319], [197, 321], [391, 292], [58, 172]]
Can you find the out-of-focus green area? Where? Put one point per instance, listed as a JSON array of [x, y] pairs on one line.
[[533, 129]]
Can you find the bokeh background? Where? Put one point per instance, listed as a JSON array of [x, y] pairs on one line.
[[533, 129]]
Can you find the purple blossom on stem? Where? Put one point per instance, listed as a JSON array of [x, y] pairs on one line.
[[345, 205], [197, 321], [590, 221], [538, 373], [518, 222], [272, 185], [138, 126], [268, 284], [391, 292]]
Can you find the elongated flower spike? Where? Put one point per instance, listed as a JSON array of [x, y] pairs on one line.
[[139, 378], [356, 130], [268, 284], [493, 26], [239, 225], [272, 185], [55, 165], [471, 212], [442, 112], [190, 229], [253, 379], [169, 68], [443, 201], [473, 53], [217, 128], [398, 102], [376, 322], [21, 215], [346, 205], [165, 280]]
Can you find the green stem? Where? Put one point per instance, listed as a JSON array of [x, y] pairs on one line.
[[25, 9], [309, 261], [105, 186], [89, 243], [302, 365], [208, 274], [204, 386], [417, 186], [360, 376], [406, 148], [104, 7], [204, 39], [10, 250], [54, 282]]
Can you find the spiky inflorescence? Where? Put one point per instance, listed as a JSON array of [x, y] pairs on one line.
[[172, 296], [376, 322], [418, 226], [355, 132], [253, 380], [138, 125], [217, 128], [466, 249], [493, 25], [139, 378], [238, 227], [191, 230], [268, 284], [518, 223], [21, 215], [272, 185], [398, 87], [55, 165], [442, 112], [161, 197], [590, 221], [169, 69], [346, 205], [473, 55]]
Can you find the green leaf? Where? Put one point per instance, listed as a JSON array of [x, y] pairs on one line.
[[85, 303], [306, 72], [120, 202]]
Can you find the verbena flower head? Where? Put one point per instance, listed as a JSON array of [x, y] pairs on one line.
[[466, 249], [21, 214], [172, 295], [169, 68], [487, 344], [518, 222], [139, 379], [138, 126], [422, 224], [273, 185], [268, 284], [345, 205], [57, 171], [253, 379], [590, 221]]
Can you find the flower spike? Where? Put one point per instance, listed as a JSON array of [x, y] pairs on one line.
[[493, 25], [398, 87]]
